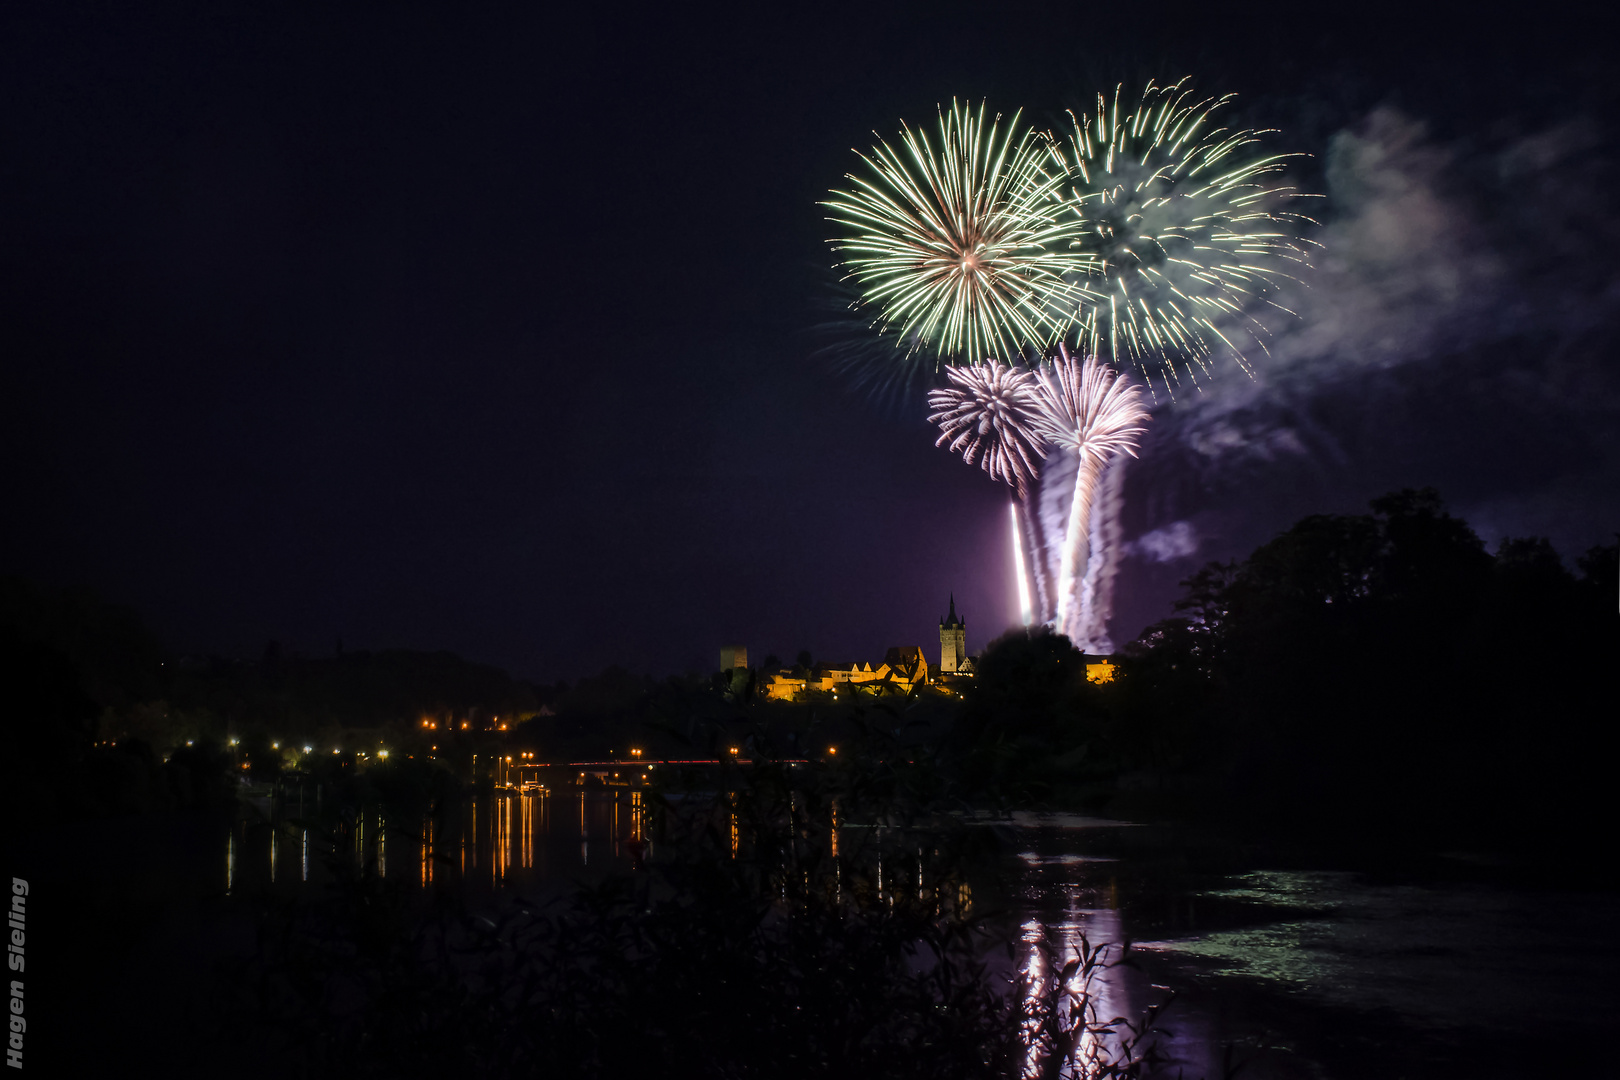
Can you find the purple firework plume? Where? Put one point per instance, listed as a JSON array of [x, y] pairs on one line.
[[1086, 407]]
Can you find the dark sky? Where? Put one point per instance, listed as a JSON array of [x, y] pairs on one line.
[[491, 332]]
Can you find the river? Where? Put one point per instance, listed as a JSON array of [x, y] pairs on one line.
[[1290, 968]]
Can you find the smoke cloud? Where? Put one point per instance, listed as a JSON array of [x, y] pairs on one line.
[[1462, 295], [1177, 540], [1407, 268]]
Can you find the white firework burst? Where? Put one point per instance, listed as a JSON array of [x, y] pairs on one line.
[[965, 245]]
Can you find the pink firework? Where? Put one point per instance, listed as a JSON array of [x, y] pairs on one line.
[[988, 416]]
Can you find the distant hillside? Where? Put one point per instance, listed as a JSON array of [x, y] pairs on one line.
[[356, 689], [140, 688]]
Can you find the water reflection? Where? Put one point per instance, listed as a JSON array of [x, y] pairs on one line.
[[1454, 962], [1049, 945], [731, 798], [502, 840], [427, 850]]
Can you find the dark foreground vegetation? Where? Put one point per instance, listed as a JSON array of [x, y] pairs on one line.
[[1383, 679], [1374, 682]]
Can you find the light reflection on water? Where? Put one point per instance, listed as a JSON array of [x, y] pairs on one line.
[[1057, 941], [1285, 964], [505, 840], [1427, 957], [1441, 957]]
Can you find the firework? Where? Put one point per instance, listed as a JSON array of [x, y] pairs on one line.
[[1026, 610], [1186, 233], [961, 246], [987, 415], [1089, 409]]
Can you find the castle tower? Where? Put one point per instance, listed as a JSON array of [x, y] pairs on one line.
[[952, 641]]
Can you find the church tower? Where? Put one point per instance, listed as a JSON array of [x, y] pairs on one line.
[[952, 641]]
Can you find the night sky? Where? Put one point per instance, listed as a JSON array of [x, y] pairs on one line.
[[427, 329]]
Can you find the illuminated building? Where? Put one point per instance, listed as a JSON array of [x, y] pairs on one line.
[[952, 642], [904, 668]]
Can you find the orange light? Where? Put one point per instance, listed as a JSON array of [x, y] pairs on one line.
[[832, 749], [733, 749]]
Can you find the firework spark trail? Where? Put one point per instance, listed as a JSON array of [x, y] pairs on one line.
[[1087, 408], [962, 246], [1187, 234], [1052, 507], [1075, 554], [1026, 611], [1035, 558], [1102, 561]]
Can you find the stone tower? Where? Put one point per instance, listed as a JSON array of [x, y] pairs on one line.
[[952, 641]]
